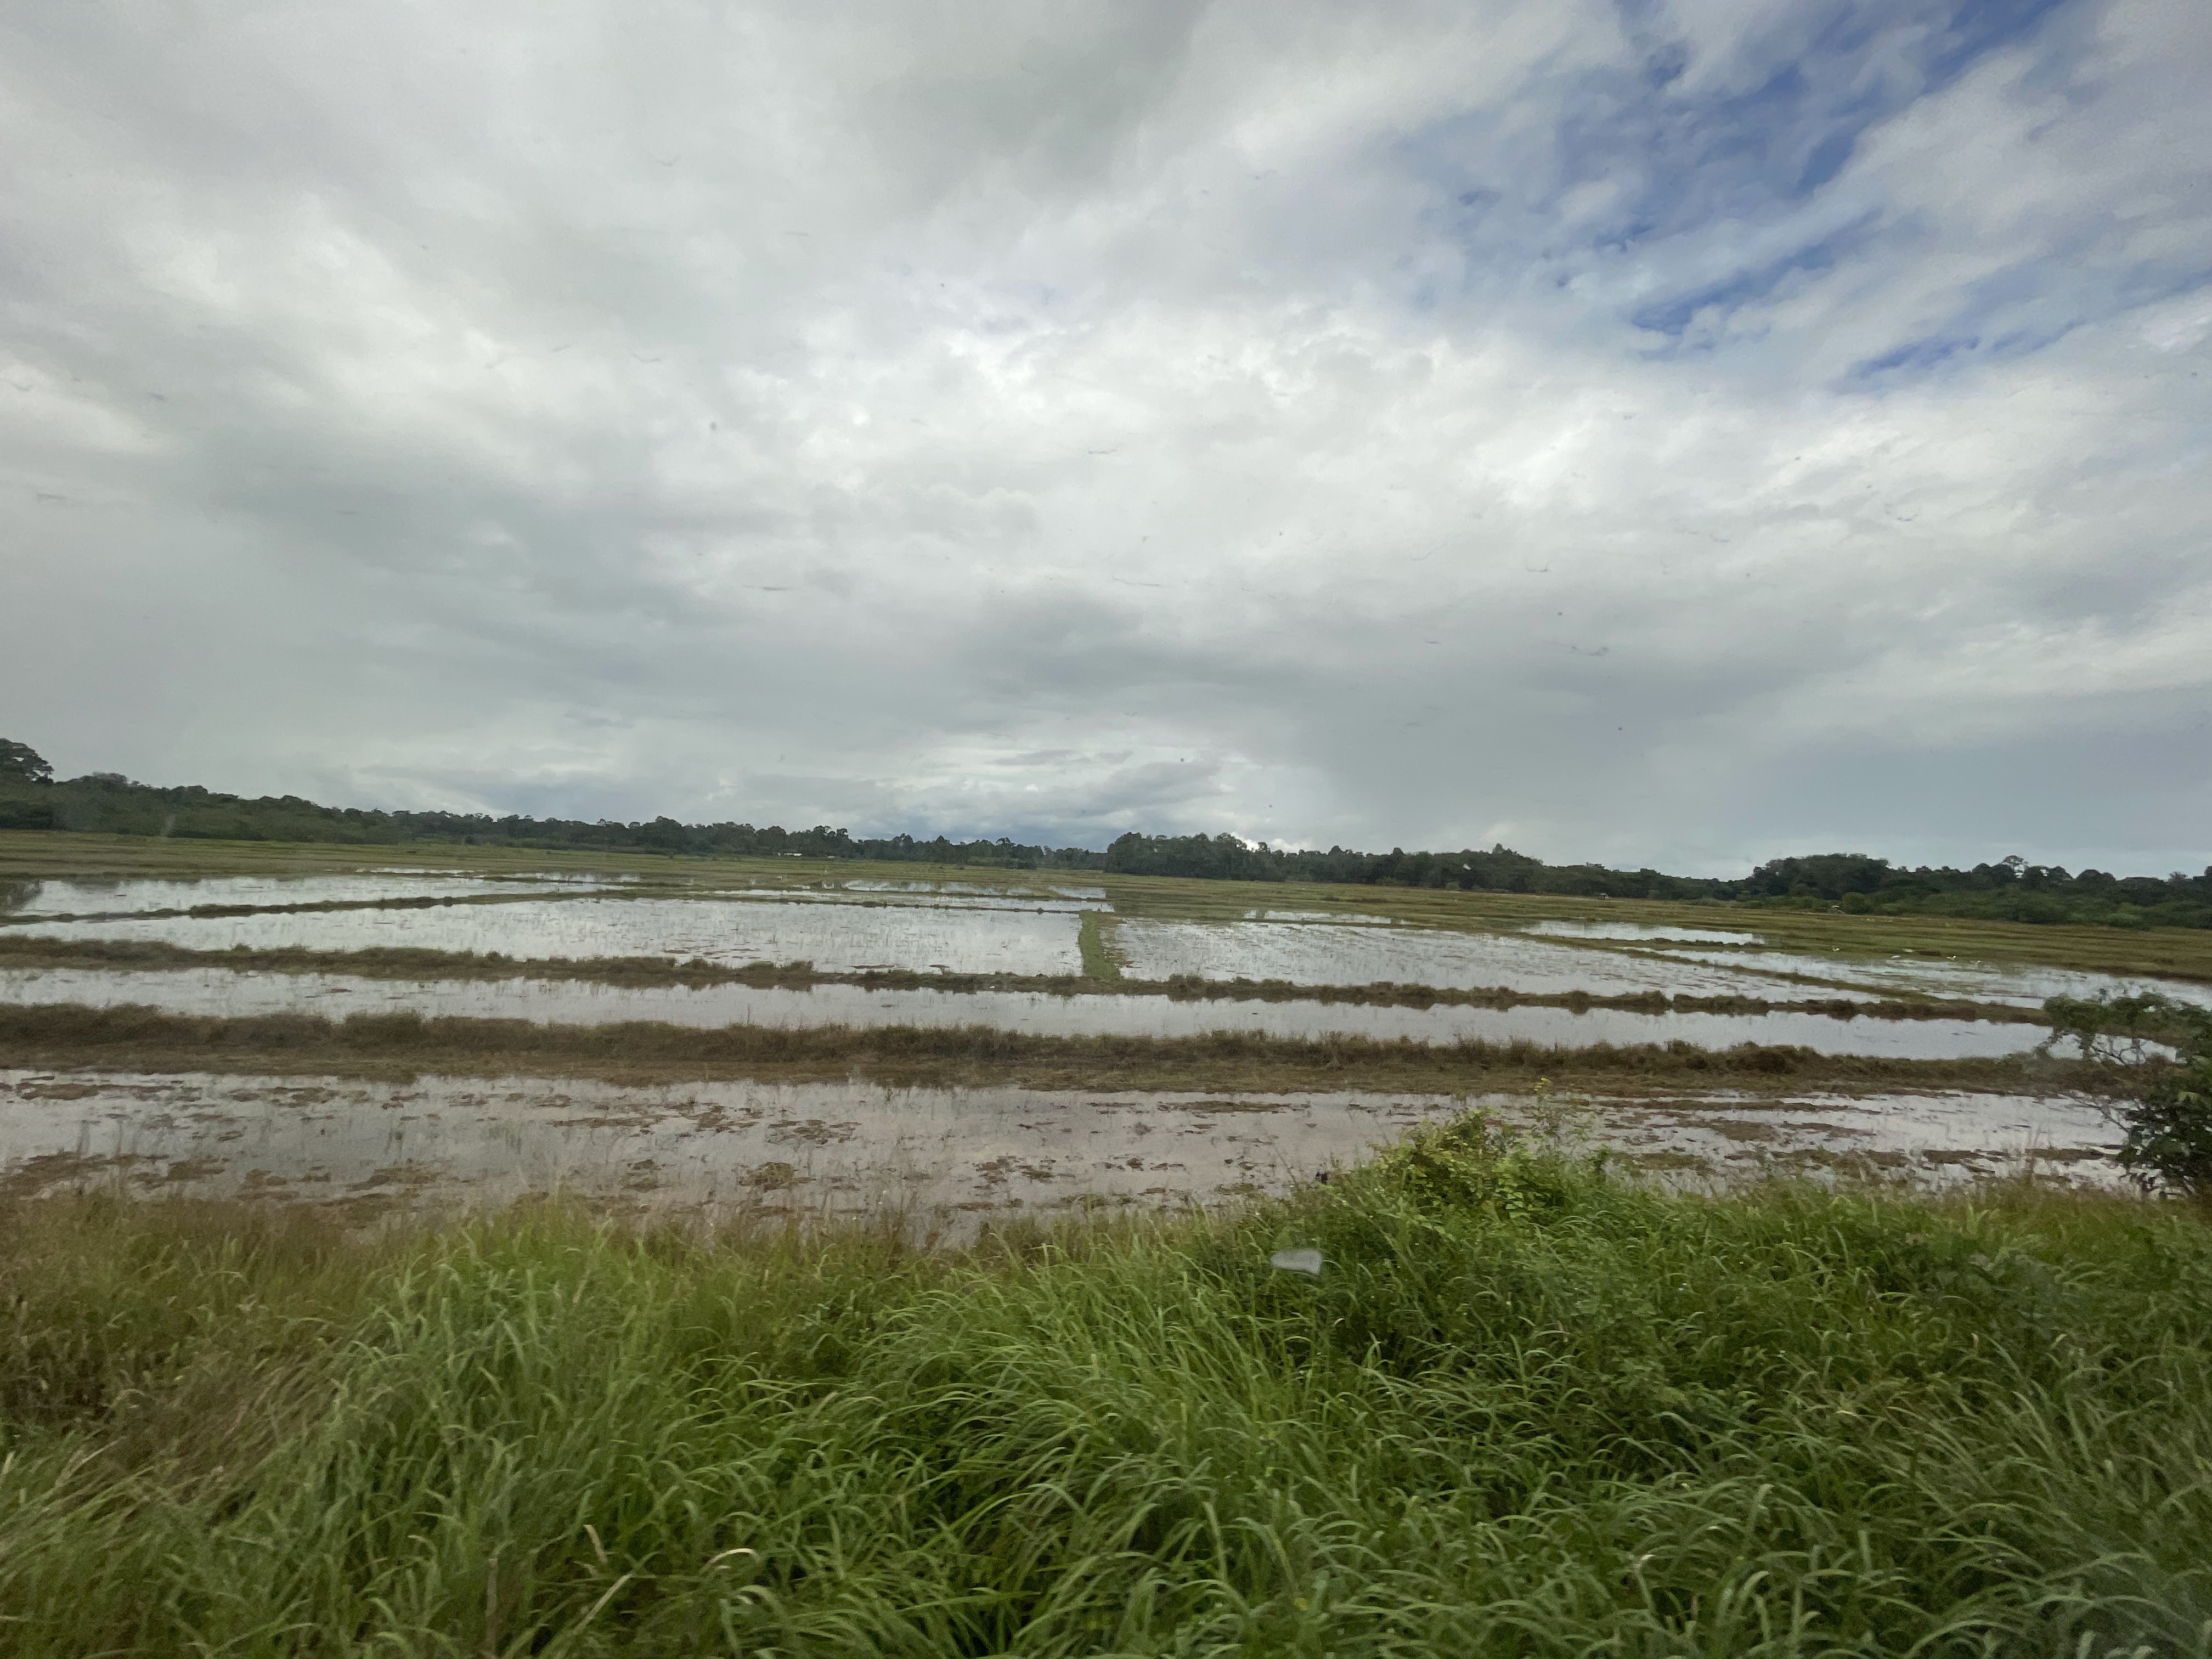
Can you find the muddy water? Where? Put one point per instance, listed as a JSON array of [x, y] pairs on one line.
[[221, 992], [1315, 954], [835, 937], [1929, 1140], [943, 1158], [2005, 984]]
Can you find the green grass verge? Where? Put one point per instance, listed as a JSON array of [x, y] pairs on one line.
[[1099, 961], [1523, 1411]]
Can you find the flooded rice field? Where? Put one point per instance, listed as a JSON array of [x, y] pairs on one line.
[[968, 892], [836, 938], [854, 895], [2005, 984], [943, 1159], [1033, 929], [1346, 918], [1335, 954], [949, 1159], [847, 925], [81, 898], [1631, 930], [223, 992]]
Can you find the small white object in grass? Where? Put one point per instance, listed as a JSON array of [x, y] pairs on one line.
[[1299, 1261]]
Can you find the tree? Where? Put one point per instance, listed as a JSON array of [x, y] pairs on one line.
[[2166, 1112], [1822, 875], [21, 764]]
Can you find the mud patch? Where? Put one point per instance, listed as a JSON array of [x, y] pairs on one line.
[[937, 1157]]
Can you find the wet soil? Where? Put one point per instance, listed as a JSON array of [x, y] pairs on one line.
[[941, 1160]]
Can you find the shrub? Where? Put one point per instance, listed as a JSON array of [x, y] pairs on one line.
[[2169, 1140], [2161, 1050]]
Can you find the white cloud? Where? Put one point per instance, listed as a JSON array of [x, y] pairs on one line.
[[1402, 425]]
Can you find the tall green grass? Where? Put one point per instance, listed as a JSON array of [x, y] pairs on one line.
[[1523, 1410]]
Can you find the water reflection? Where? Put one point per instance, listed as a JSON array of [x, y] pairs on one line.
[[125, 895], [2001, 984], [1093, 897], [835, 937], [1630, 930], [221, 992], [1315, 954], [1346, 918]]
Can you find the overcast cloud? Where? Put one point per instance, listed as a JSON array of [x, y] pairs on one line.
[[1677, 434]]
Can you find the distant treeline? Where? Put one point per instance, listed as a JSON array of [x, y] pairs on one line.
[[2008, 890], [111, 804]]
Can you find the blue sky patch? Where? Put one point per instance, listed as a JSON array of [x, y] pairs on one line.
[[1696, 174]]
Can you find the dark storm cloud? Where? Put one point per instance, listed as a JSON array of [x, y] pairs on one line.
[[1660, 433]]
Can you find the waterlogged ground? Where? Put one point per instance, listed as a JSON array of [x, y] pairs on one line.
[[2006, 985], [943, 1158], [951, 892], [836, 938], [124, 898], [1631, 930], [121, 898], [215, 991], [851, 923], [848, 924], [949, 1159], [1335, 954]]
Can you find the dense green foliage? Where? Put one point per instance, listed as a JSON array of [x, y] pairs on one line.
[[2010, 890], [1500, 870], [1523, 1411], [2007, 890], [2170, 1132], [21, 764]]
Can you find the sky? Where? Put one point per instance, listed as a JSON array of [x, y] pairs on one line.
[[1677, 432]]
